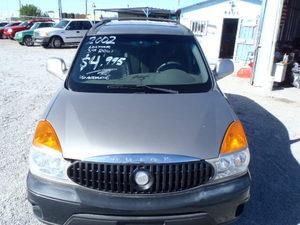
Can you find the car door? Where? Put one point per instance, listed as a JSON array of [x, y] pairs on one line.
[[85, 26], [73, 32]]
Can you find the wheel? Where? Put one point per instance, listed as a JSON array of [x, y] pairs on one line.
[[21, 43], [45, 45], [56, 42], [28, 41]]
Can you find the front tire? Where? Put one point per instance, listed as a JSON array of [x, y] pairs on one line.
[[56, 42], [46, 45], [28, 41]]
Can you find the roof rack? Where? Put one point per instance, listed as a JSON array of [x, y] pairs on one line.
[[107, 20]]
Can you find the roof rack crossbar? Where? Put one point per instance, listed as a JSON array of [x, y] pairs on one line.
[[106, 20]]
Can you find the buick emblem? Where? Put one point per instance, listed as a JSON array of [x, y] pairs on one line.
[[143, 179]]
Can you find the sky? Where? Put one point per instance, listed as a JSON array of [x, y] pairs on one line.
[[10, 7]]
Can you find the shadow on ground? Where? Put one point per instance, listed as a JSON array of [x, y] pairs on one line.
[[275, 190]]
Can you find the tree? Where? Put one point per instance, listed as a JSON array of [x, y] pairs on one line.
[[30, 10]]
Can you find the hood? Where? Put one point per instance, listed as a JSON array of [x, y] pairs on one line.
[[24, 32], [49, 29], [17, 28], [99, 124]]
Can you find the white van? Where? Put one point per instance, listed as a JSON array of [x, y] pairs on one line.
[[66, 32]]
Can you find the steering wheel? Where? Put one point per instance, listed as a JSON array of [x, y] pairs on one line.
[[169, 65]]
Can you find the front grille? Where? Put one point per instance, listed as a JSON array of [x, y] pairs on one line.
[[119, 178]]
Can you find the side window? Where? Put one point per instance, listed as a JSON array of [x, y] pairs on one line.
[[199, 27], [29, 24], [86, 25], [48, 25], [74, 25]]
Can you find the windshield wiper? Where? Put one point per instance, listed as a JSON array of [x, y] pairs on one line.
[[160, 89], [141, 87]]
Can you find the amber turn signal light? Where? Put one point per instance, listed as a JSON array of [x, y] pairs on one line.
[[45, 135], [235, 138]]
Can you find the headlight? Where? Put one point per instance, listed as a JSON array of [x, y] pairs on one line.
[[43, 33], [234, 155], [231, 165], [48, 164], [45, 159], [9, 30]]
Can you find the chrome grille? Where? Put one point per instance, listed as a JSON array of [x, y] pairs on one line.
[[118, 178]]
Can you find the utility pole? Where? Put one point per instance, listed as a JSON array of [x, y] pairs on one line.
[[59, 9], [20, 6], [86, 10]]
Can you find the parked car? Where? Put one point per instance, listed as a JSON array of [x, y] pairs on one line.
[[7, 26], [140, 133], [11, 31], [25, 37], [66, 32]]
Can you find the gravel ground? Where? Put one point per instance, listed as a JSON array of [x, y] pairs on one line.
[[272, 122]]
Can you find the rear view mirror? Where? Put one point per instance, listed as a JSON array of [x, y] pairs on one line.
[[57, 67], [222, 68]]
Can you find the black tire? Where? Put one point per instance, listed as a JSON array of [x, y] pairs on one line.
[[21, 43], [28, 41], [56, 42], [46, 45]]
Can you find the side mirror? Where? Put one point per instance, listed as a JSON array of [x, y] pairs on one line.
[[222, 68], [57, 67]]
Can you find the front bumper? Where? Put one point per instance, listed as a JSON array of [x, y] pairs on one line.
[[8, 35], [41, 40], [18, 39], [55, 203]]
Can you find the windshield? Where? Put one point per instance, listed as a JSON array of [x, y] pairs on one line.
[[124, 63], [11, 24], [24, 24], [61, 24], [34, 26]]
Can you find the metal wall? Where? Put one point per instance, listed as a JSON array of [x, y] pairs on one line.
[[290, 21], [270, 25]]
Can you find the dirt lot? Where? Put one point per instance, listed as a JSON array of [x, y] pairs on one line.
[[272, 121]]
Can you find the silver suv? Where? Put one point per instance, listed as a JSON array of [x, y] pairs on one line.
[[139, 134]]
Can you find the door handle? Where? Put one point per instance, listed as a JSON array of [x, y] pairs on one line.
[[78, 31]]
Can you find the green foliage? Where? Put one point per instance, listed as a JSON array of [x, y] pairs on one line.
[[30, 10]]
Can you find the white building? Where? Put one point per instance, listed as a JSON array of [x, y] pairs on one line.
[[224, 28], [279, 29]]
